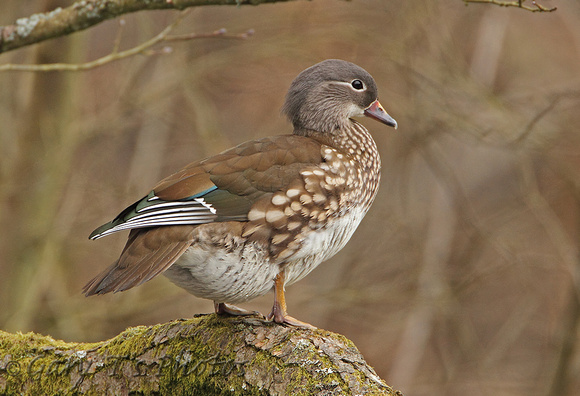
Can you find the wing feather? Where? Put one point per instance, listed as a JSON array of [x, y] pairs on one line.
[[148, 253], [221, 188]]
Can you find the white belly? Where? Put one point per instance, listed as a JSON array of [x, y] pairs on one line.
[[319, 246], [224, 276], [234, 271]]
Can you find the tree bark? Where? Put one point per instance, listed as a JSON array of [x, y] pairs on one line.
[[206, 355], [86, 13]]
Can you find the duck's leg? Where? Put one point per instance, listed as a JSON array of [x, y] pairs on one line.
[[279, 314], [222, 308]]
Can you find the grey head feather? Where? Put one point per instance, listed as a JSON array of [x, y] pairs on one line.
[[321, 98]]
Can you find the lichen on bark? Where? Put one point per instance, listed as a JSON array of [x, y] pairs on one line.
[[204, 355]]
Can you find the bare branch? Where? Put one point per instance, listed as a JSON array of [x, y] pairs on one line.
[[218, 33], [535, 7], [143, 49], [554, 102], [86, 13]]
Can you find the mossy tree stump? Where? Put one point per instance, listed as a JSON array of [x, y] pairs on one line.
[[206, 355]]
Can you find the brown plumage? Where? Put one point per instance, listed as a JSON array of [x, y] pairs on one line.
[[265, 213]]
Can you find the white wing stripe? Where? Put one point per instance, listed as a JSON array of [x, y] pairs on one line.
[[169, 217], [191, 204], [126, 226], [170, 204], [164, 213], [170, 221], [207, 205], [196, 210]]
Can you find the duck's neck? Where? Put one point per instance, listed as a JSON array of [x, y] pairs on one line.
[[353, 140]]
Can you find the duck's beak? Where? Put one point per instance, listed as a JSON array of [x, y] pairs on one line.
[[376, 111]]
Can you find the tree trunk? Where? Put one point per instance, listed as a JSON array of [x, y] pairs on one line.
[[206, 355]]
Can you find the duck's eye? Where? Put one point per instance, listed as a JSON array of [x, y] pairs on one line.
[[357, 84]]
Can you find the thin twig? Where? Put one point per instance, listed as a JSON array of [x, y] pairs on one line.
[[554, 101], [536, 7], [143, 49], [83, 14], [119, 35], [218, 33]]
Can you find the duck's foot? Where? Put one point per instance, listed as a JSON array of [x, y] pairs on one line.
[[227, 309], [279, 315]]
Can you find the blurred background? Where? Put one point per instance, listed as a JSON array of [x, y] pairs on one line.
[[463, 279]]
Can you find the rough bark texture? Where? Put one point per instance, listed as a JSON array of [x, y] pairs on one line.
[[206, 355], [86, 13]]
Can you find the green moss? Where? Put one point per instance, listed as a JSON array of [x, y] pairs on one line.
[[39, 362], [206, 355]]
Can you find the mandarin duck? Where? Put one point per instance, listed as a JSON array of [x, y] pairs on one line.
[[264, 214]]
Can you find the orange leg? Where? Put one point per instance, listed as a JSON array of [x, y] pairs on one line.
[[279, 314]]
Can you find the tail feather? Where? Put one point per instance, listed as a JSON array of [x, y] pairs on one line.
[[148, 253]]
